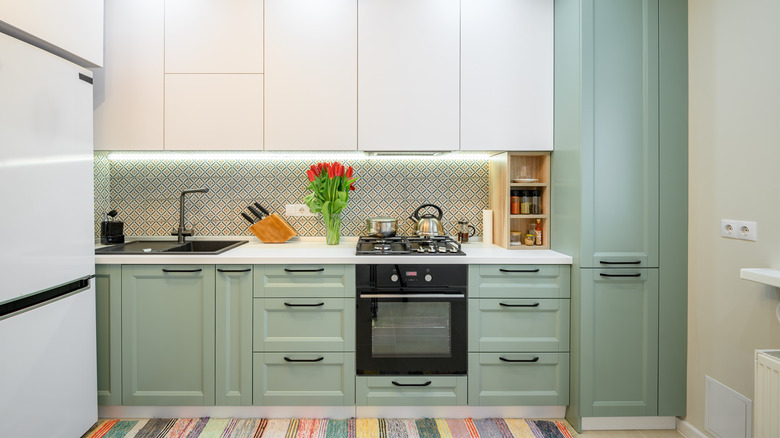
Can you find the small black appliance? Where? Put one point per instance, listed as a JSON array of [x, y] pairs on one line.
[[112, 231]]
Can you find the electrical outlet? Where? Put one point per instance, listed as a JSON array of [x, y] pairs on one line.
[[744, 230], [297, 210]]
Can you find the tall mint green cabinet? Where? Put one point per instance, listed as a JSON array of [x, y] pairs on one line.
[[619, 185]]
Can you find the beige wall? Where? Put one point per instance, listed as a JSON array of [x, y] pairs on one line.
[[734, 50]]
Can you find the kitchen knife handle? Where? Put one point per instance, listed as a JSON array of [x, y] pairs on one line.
[[182, 270], [248, 219], [633, 262], [255, 212], [260, 207], [304, 305], [535, 359], [411, 384], [519, 270], [621, 275], [234, 270], [519, 305], [304, 270], [319, 359]]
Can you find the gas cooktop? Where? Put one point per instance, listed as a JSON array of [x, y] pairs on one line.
[[408, 245]]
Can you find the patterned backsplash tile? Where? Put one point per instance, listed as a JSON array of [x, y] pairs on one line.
[[146, 192]]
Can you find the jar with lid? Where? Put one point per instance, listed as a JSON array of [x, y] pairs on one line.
[[525, 202], [536, 207], [516, 238], [514, 205]]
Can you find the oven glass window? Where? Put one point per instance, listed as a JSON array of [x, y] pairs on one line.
[[411, 329]]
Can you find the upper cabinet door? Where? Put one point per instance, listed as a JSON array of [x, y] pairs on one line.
[[74, 28], [128, 93], [213, 36], [311, 75], [408, 74], [507, 75]]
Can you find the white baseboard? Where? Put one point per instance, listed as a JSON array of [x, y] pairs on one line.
[[687, 430], [628, 423], [460, 411]]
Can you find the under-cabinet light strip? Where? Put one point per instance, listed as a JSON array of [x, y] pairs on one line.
[[285, 156]]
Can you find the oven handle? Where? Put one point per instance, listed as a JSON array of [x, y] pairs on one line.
[[412, 296], [411, 384]]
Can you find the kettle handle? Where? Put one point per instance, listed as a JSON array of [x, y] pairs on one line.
[[417, 217]]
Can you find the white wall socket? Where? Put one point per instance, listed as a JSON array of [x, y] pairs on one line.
[[744, 230], [297, 210]]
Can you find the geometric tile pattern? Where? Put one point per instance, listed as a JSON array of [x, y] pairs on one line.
[[146, 192]]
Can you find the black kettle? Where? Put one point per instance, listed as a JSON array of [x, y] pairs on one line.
[[428, 225]]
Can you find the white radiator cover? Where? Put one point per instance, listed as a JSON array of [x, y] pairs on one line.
[[766, 422]]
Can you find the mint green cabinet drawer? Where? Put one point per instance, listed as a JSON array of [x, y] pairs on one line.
[[516, 325], [304, 324], [305, 281], [411, 391], [304, 379], [518, 379], [519, 281]]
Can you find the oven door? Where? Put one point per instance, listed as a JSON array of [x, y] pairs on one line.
[[411, 334]]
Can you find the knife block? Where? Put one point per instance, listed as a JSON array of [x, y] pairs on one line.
[[273, 229]]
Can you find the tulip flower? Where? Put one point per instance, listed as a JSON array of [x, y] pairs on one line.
[[330, 184]]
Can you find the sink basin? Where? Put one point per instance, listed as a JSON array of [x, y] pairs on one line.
[[169, 247]]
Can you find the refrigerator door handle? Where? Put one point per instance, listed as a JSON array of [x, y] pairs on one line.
[[29, 302]]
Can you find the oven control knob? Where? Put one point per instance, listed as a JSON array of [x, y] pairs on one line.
[[428, 277], [394, 278]]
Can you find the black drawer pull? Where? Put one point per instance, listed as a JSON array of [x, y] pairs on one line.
[[234, 270], [636, 262], [620, 275], [182, 270], [304, 270], [518, 305], [304, 360], [411, 384], [519, 270], [304, 305], [536, 359]]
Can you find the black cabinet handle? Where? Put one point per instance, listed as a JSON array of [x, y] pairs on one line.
[[620, 275], [518, 305], [519, 270], [304, 305], [234, 270], [635, 262], [304, 360], [304, 270], [536, 359], [182, 270], [411, 384]]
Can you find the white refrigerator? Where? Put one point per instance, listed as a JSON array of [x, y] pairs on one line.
[[47, 304]]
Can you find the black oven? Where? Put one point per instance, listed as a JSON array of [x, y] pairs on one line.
[[411, 319]]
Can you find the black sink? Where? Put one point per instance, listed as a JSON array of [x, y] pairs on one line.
[[169, 247]]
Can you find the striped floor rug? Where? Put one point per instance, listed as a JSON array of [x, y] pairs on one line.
[[322, 428]]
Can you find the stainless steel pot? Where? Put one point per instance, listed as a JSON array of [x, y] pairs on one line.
[[381, 226], [428, 225]]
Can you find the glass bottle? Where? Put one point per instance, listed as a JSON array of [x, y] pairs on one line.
[[536, 207], [525, 203], [514, 206]]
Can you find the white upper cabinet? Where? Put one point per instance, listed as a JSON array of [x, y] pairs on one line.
[[128, 91], [507, 75], [74, 28], [408, 74], [213, 36], [311, 75]]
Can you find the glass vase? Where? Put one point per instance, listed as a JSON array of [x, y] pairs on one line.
[[333, 229]]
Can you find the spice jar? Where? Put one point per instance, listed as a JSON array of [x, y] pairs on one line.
[[529, 239], [514, 204], [515, 238], [536, 208], [525, 203]]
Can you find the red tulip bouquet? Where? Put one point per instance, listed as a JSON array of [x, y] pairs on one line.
[[330, 184]]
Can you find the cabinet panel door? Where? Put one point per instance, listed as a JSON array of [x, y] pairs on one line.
[[212, 36], [128, 94], [234, 335], [168, 335], [305, 281], [411, 391], [311, 75], [517, 325], [620, 189], [519, 281], [506, 75], [108, 296], [518, 379], [304, 379], [619, 342], [408, 74], [213, 111], [304, 324]]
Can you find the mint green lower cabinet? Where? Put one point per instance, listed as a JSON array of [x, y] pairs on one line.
[[304, 379], [519, 281], [168, 327], [497, 325], [518, 379], [305, 281], [618, 339], [108, 296], [304, 324], [234, 335], [411, 390]]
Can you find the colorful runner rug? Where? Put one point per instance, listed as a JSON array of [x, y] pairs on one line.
[[325, 428]]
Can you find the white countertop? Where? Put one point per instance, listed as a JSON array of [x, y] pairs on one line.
[[315, 251]]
